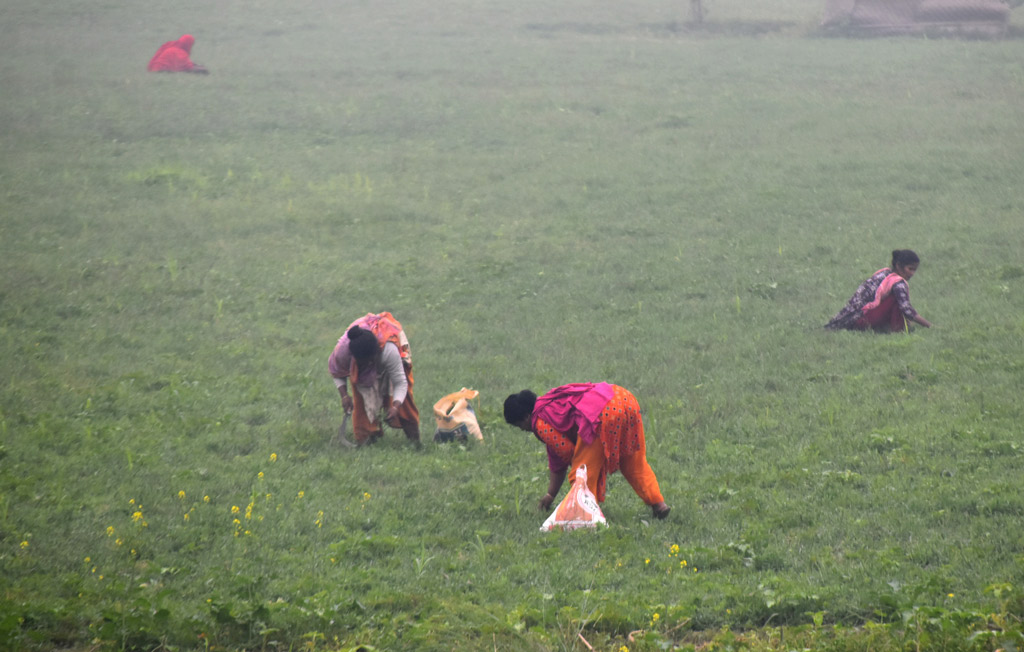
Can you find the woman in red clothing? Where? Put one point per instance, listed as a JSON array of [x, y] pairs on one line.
[[882, 303], [173, 56], [597, 424]]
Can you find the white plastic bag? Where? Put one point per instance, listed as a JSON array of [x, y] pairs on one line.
[[578, 509]]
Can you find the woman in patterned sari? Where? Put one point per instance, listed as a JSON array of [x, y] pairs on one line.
[[882, 303], [597, 424]]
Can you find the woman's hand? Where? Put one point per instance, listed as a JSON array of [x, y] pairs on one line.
[[545, 502], [346, 401], [392, 416]]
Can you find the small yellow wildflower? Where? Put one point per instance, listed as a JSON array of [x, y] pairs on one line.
[[206, 499], [88, 559], [683, 563], [302, 494], [674, 550], [234, 509], [181, 495], [260, 475], [94, 569], [273, 457], [623, 649], [131, 502], [366, 495], [136, 517], [24, 544], [186, 516], [119, 541], [110, 530], [655, 618], [950, 595], [647, 561], [236, 522], [269, 496]]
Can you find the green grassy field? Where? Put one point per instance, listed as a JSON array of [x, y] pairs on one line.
[[541, 194]]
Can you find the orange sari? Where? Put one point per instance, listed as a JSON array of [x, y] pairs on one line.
[[618, 446]]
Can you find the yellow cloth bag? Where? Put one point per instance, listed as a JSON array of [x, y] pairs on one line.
[[456, 418]]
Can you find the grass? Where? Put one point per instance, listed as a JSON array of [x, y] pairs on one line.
[[541, 195]]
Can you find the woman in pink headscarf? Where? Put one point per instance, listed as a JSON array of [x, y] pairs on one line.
[[173, 56]]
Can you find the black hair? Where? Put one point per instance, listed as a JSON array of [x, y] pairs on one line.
[[519, 406], [904, 257], [362, 344]]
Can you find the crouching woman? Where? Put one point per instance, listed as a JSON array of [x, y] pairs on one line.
[[882, 303]]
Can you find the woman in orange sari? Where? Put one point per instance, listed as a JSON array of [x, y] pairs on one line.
[[596, 424], [373, 355]]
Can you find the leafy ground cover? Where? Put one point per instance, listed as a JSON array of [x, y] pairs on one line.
[[542, 195]]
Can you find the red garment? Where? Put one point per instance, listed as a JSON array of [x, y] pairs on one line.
[[173, 56], [884, 317]]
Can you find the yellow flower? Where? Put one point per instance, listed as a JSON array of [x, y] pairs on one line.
[[236, 522], [119, 541], [186, 516], [273, 457], [110, 530], [647, 561], [206, 499], [950, 595], [234, 509], [136, 517], [623, 649], [674, 550], [181, 495], [24, 544], [302, 494], [682, 563], [366, 495], [88, 559], [655, 617], [131, 502], [269, 496], [260, 475]]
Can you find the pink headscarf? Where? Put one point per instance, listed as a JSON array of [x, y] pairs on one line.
[[576, 405]]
